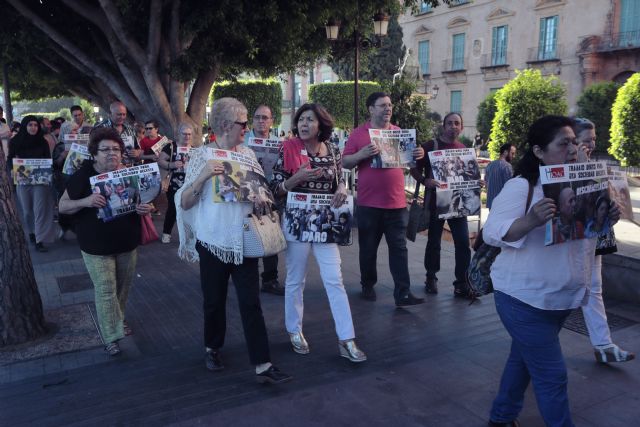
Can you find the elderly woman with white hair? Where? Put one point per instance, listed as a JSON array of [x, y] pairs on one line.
[[173, 159], [212, 233]]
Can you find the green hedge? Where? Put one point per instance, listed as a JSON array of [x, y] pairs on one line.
[[252, 93], [625, 123], [521, 102], [337, 98], [595, 104], [486, 113]]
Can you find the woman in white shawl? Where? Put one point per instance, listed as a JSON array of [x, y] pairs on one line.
[[212, 233]]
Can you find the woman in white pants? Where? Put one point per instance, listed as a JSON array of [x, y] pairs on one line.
[[309, 163], [595, 316]]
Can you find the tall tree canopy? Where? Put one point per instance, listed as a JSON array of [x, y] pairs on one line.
[[145, 53]]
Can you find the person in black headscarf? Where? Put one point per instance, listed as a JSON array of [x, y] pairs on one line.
[[36, 201]]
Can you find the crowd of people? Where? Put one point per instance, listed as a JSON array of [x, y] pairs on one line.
[[532, 302]]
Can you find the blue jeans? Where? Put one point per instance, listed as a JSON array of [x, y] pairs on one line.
[[535, 355], [372, 224], [460, 234]]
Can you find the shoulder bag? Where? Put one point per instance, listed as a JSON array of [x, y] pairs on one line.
[[262, 235], [479, 271], [419, 214]]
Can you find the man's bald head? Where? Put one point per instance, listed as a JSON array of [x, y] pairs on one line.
[[118, 112]]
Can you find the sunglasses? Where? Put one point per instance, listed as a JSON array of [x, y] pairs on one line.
[[243, 125]]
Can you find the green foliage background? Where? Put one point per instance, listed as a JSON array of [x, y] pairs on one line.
[[410, 112], [595, 104], [625, 123], [520, 103], [252, 93], [486, 113], [337, 98]]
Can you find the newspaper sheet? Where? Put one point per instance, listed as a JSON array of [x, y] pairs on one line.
[[619, 192], [76, 138], [581, 195], [78, 153], [310, 218], [125, 188], [158, 146], [396, 148], [458, 172], [267, 151], [243, 179], [32, 171]]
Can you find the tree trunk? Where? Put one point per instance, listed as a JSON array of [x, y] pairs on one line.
[[21, 316], [8, 111]]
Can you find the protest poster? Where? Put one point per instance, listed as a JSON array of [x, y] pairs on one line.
[[182, 155], [619, 192], [396, 148], [459, 175], [242, 180], [309, 217], [581, 195], [32, 171], [125, 188], [267, 151], [78, 153], [75, 138], [158, 146]]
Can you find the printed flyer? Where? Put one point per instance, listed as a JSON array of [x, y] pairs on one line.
[[32, 171], [158, 146], [619, 192], [267, 151], [581, 194], [125, 188], [396, 148], [243, 179], [311, 218], [75, 138], [78, 153], [458, 172]]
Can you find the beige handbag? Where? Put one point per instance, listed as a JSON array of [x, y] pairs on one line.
[[262, 236]]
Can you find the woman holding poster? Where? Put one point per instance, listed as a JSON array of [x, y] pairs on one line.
[[595, 316], [108, 248], [36, 201], [536, 286], [212, 233], [308, 163]]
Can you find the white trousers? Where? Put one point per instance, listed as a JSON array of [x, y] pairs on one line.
[[594, 315], [327, 256]]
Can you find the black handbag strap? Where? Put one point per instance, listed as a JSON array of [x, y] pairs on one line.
[[529, 197]]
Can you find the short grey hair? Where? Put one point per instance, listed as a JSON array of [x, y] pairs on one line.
[[225, 110], [182, 126]]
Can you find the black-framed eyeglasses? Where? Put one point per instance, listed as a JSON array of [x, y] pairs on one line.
[[110, 150], [261, 117], [243, 125]]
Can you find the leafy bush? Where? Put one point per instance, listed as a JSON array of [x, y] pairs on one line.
[[337, 98], [410, 111], [468, 142], [486, 113], [252, 93], [521, 102], [625, 123], [595, 104]]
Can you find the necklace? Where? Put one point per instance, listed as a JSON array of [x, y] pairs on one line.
[[317, 153]]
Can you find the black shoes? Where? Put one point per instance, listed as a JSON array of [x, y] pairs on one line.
[[213, 361], [513, 423], [409, 299], [368, 293], [32, 238], [40, 247], [461, 290], [431, 285], [273, 376], [273, 287]]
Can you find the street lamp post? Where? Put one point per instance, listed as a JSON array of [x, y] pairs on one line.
[[381, 23]]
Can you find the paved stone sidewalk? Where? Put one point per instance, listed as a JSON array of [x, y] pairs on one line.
[[437, 364]]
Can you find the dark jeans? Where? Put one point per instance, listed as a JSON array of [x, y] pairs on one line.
[[270, 268], [170, 216], [460, 233], [535, 357], [372, 224], [214, 279]]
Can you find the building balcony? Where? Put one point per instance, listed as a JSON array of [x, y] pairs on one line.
[[495, 60], [458, 65], [541, 54], [610, 42]]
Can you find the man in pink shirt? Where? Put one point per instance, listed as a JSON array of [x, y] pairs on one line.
[[382, 205]]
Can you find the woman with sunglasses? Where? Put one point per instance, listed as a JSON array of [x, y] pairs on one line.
[[595, 316], [108, 248], [212, 233]]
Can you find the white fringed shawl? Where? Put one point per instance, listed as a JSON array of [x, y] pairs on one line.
[[218, 226]]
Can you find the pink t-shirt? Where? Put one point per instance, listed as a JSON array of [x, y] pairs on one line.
[[377, 188]]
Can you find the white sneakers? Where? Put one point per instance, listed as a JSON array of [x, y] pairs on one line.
[[166, 238]]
